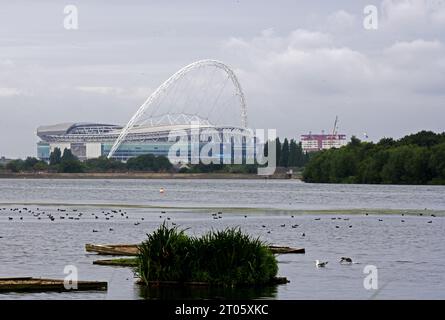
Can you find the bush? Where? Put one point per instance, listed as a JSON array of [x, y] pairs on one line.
[[227, 258]]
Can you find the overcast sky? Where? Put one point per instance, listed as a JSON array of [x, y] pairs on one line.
[[300, 63]]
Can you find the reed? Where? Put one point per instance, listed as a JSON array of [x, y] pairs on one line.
[[227, 257]]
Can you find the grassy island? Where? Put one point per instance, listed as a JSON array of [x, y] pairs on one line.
[[225, 258]]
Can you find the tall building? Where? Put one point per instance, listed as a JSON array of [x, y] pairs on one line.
[[316, 142]]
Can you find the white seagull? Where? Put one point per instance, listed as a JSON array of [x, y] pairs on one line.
[[319, 264]]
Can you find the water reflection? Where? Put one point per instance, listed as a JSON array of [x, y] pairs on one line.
[[206, 292]]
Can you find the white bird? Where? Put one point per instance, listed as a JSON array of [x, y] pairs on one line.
[[319, 264]]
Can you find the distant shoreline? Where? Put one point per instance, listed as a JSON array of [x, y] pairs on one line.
[[140, 175]]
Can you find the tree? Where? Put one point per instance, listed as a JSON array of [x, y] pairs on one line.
[[40, 166], [414, 159], [284, 157], [278, 150], [149, 162], [68, 155], [55, 157], [29, 163], [15, 165], [293, 153]]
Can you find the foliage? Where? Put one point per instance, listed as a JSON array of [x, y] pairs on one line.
[[55, 157], [103, 164], [226, 257], [414, 159], [284, 158], [149, 162], [28, 165]]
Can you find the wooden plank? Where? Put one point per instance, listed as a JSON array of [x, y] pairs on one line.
[[131, 262], [132, 249], [29, 284], [276, 280]]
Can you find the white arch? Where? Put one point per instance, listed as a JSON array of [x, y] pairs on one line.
[[163, 87]]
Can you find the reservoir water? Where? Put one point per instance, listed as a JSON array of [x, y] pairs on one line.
[[398, 229]]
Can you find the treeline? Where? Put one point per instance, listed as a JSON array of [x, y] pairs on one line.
[[289, 153], [68, 163], [414, 159]]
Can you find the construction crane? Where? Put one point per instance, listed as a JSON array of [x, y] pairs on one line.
[[334, 130]]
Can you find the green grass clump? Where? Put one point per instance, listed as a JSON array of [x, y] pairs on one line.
[[228, 257]]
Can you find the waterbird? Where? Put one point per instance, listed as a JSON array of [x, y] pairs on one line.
[[111, 229], [380, 219], [303, 235], [282, 226], [345, 260], [337, 227], [403, 220], [317, 219], [320, 264], [431, 221], [94, 230], [161, 190]]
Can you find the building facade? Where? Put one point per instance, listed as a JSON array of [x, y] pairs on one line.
[[316, 142], [93, 140]]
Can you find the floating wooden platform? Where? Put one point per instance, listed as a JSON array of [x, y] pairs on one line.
[[113, 249], [286, 250], [128, 262], [275, 281], [132, 249], [29, 284]]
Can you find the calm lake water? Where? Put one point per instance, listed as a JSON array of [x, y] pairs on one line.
[[359, 221]]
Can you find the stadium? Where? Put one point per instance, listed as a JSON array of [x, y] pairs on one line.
[[148, 130]]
